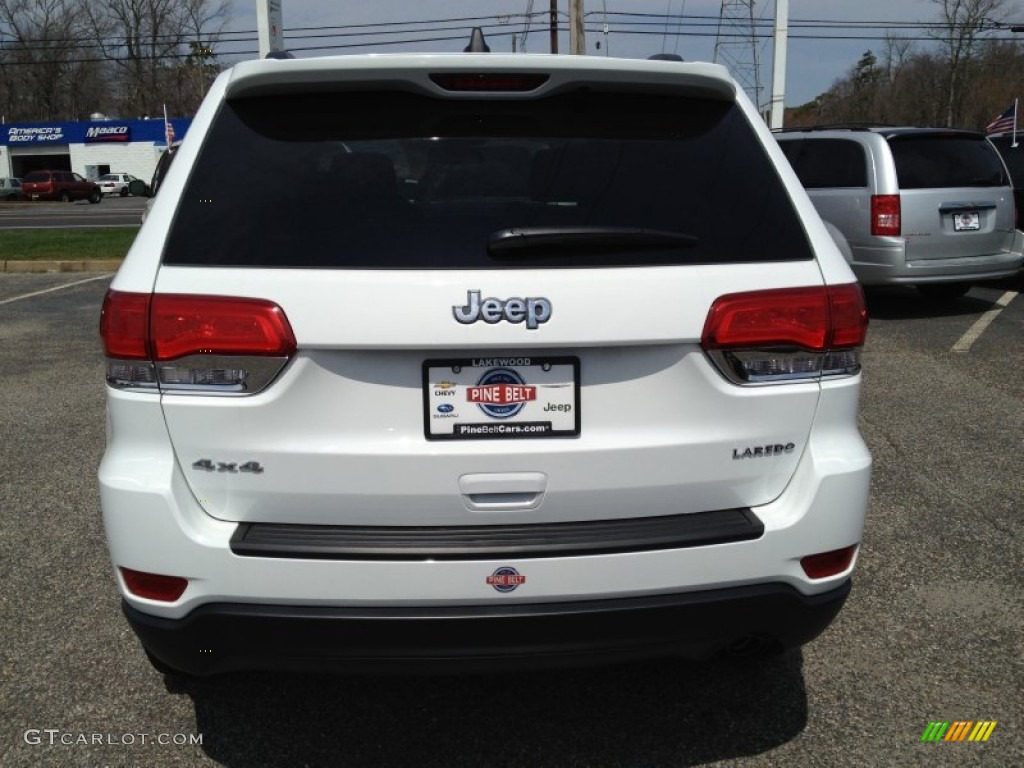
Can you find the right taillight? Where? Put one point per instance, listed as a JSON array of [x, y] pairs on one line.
[[886, 215], [789, 334], [186, 343]]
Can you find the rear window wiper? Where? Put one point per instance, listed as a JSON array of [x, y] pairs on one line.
[[559, 239]]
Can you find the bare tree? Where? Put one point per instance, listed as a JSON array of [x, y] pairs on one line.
[[962, 22], [897, 52], [152, 43], [50, 67]]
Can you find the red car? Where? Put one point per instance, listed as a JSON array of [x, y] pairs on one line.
[[59, 185]]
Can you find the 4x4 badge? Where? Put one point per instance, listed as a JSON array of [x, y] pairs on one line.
[[228, 466], [533, 310]]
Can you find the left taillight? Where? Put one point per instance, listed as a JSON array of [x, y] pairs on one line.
[[785, 335], [186, 343]]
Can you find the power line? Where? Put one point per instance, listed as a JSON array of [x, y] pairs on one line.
[[647, 24]]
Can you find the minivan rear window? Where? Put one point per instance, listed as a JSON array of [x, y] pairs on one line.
[[827, 163], [932, 161], [395, 180]]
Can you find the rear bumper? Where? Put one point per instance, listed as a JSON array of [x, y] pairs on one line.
[[888, 266], [224, 637]]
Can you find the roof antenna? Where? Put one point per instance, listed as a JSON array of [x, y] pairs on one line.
[[477, 44]]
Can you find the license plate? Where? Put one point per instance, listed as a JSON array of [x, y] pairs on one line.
[[964, 222], [501, 398]]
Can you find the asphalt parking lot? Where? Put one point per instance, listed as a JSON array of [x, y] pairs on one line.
[[934, 629]]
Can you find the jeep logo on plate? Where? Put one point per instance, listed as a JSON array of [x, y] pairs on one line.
[[532, 310]]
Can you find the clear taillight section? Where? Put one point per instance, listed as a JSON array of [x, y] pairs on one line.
[[179, 342], [886, 215], [789, 334]]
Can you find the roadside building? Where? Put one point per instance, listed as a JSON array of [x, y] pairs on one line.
[[90, 148]]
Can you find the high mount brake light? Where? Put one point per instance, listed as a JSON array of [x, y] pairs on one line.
[[788, 334], [193, 343], [489, 81], [886, 217]]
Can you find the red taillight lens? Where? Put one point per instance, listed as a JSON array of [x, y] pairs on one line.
[[193, 343], [825, 564], [789, 317], [885, 215], [849, 316], [786, 334], [818, 318], [154, 586], [489, 81], [124, 325], [218, 325]]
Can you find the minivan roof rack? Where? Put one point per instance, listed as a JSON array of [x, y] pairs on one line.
[[841, 127]]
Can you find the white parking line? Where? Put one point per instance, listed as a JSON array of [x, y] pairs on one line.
[[105, 276], [983, 322]]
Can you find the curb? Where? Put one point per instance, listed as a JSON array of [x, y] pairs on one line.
[[92, 265]]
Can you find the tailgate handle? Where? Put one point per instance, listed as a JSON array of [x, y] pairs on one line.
[[499, 491], [966, 207]]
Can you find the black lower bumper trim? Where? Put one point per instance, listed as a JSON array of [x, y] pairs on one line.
[[223, 637], [487, 542]]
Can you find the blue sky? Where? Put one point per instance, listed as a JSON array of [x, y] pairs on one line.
[[813, 63]]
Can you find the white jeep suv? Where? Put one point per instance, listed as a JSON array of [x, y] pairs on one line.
[[530, 359]]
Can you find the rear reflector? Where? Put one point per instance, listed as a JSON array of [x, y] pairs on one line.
[[154, 586], [787, 334], [826, 564], [196, 343], [489, 81], [885, 215]]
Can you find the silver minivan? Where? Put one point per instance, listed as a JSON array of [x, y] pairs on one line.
[[928, 207]]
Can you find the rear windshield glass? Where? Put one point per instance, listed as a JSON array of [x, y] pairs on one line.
[[933, 161], [824, 163], [401, 181], [37, 176]]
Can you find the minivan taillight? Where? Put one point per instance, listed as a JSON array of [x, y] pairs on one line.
[[180, 342], [886, 215], [787, 334]]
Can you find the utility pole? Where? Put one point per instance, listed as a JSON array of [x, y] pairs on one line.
[[269, 26], [553, 23], [577, 43], [779, 63]]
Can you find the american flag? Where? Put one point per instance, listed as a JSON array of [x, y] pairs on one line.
[[1005, 122], [168, 131]]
